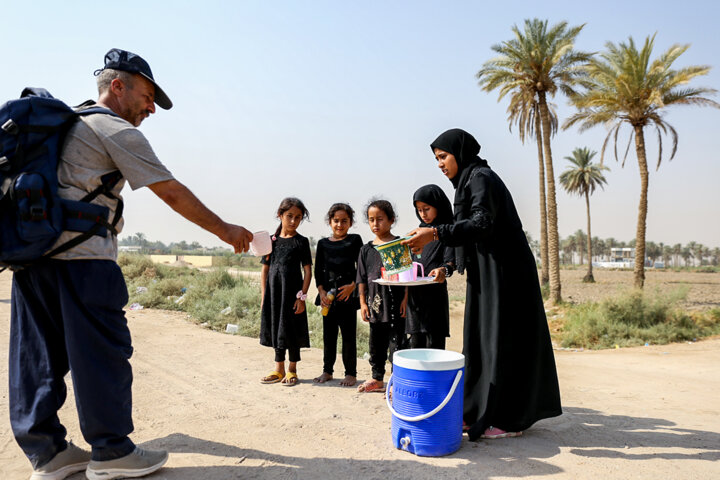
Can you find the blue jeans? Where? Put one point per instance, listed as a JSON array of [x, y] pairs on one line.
[[67, 316]]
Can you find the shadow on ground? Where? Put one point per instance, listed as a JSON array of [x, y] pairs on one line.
[[579, 431]]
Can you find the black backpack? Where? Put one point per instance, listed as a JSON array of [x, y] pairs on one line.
[[32, 215]]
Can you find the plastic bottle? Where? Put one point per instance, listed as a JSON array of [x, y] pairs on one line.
[[330, 298]]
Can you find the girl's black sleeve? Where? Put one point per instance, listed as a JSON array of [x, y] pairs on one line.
[[306, 254], [361, 269], [320, 277]]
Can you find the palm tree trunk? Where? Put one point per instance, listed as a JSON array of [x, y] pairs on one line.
[[553, 237], [642, 208], [544, 275], [589, 276]]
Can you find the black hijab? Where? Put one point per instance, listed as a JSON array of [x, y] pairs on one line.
[[465, 149], [435, 197]]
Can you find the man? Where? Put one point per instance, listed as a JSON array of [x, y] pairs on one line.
[[67, 312]]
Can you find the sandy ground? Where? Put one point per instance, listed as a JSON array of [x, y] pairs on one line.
[[641, 413]]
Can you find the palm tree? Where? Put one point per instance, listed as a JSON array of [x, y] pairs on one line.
[[677, 252], [580, 244], [624, 86], [667, 255], [568, 246], [598, 246], [715, 256], [686, 255], [524, 110], [581, 178], [540, 60], [697, 249], [653, 251]]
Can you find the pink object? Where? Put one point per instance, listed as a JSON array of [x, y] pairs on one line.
[[411, 275], [261, 244], [385, 276], [494, 432]]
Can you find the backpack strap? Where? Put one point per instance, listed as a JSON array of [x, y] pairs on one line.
[[109, 181]]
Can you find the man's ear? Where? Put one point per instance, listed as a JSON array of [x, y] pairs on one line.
[[117, 87]]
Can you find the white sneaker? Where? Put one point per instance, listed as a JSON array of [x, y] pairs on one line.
[[71, 460], [136, 464]]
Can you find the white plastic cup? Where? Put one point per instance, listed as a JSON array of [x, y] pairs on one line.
[[261, 244], [411, 275]]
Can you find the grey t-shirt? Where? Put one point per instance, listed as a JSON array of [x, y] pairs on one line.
[[98, 144]]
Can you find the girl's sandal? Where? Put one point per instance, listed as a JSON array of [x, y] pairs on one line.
[[272, 377], [291, 379], [371, 386]]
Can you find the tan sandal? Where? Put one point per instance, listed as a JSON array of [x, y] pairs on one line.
[[290, 380], [272, 377]]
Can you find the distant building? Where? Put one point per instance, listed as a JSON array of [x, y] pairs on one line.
[[130, 248], [622, 254], [620, 257]]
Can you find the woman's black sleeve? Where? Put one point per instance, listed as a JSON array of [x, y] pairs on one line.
[[482, 211]]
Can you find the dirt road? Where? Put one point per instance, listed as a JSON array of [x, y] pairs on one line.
[[641, 413]]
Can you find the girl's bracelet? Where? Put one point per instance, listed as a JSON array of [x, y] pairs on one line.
[[301, 296]]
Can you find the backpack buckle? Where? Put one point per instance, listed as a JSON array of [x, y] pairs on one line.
[[4, 163], [37, 213], [11, 127]]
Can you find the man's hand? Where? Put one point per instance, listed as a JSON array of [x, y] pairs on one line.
[[237, 236]]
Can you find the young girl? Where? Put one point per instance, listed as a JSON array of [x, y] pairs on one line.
[[381, 305], [284, 283], [428, 321], [335, 270]]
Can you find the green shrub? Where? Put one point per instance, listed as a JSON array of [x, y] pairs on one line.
[[635, 318], [213, 298]]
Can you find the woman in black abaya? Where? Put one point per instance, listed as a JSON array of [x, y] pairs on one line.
[[510, 376]]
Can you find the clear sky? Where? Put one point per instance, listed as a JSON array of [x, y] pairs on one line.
[[338, 101]]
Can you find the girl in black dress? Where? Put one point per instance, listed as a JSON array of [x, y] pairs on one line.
[[335, 271], [510, 376], [284, 282], [428, 311], [381, 305]]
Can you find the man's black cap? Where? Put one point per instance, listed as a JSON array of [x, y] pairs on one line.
[[117, 59]]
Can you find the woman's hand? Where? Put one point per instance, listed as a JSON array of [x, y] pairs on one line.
[[364, 312], [299, 306], [439, 274], [420, 237], [345, 291]]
